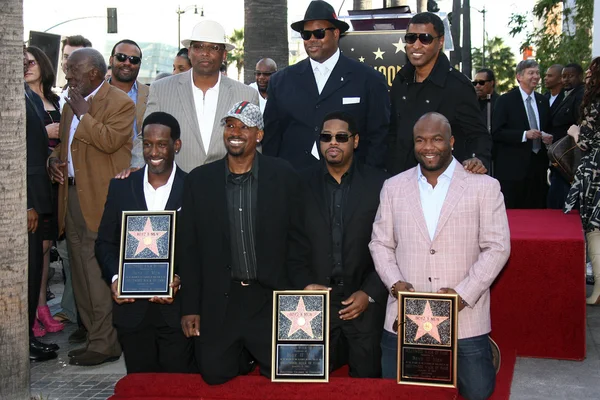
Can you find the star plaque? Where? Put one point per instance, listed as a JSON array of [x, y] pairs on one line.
[[427, 338], [146, 255], [300, 336]]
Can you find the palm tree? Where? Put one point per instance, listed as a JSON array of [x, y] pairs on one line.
[[14, 368], [266, 34], [237, 55], [500, 59]]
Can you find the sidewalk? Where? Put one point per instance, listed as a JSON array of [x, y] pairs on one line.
[[534, 379]]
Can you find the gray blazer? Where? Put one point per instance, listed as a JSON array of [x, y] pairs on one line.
[[174, 95]]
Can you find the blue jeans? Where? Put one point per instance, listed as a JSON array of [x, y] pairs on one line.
[[476, 373]]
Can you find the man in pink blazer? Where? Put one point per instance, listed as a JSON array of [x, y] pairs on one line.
[[442, 229]]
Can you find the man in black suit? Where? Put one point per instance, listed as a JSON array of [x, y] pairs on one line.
[[554, 84], [241, 236], [562, 117], [485, 88], [428, 83], [149, 331], [520, 118], [341, 204], [302, 94]]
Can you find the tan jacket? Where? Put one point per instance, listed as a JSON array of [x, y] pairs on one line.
[[100, 149]]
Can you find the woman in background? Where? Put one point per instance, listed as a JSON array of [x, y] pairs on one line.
[[182, 62]]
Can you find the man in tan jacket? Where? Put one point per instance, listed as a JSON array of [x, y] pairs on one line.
[[95, 133]]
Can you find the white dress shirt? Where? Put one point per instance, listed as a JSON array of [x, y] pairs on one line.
[[322, 71], [206, 108], [552, 98], [432, 198], [74, 125], [156, 199], [524, 95], [262, 102]]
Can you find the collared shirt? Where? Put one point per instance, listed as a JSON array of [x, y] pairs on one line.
[[262, 102], [432, 198], [133, 95], [337, 196], [74, 125], [156, 199], [242, 199], [524, 95], [206, 109], [322, 71], [552, 98]]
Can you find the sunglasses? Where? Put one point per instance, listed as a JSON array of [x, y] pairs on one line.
[[132, 59], [317, 33], [211, 48], [425, 38], [481, 82], [339, 137], [266, 74]]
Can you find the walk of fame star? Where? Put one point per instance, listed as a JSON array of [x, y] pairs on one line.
[[427, 323], [147, 238], [301, 319]]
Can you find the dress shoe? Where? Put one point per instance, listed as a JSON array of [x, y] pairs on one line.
[[47, 347], [37, 355], [79, 336], [77, 352], [91, 358]]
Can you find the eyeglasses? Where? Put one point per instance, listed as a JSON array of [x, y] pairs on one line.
[[481, 82], [266, 74], [317, 33], [211, 48], [425, 38], [132, 59], [339, 137], [31, 63]]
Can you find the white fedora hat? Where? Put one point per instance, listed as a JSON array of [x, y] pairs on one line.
[[208, 31]]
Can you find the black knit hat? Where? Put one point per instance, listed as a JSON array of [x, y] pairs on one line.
[[320, 10]]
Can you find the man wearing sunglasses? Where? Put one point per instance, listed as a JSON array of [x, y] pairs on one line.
[[341, 202], [265, 67], [125, 61], [428, 83], [485, 88], [302, 94]]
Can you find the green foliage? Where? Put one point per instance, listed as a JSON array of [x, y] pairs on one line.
[[500, 59], [237, 55], [550, 47]]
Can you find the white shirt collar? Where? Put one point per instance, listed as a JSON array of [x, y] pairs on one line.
[[525, 95], [89, 96], [169, 181], [329, 63], [448, 172], [216, 87]]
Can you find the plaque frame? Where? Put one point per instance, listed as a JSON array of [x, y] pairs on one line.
[[444, 301], [164, 257], [278, 340]]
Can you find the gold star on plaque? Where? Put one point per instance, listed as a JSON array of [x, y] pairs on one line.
[[361, 59], [379, 53], [399, 45]]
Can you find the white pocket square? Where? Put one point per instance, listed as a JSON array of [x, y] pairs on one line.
[[179, 209], [350, 100]]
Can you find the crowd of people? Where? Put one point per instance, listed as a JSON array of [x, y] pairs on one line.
[[314, 177]]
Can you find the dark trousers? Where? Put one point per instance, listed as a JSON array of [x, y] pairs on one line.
[[531, 191], [359, 348], [154, 346], [476, 373], [34, 274], [559, 188], [246, 331]]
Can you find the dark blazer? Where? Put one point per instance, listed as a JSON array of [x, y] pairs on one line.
[[446, 91], [203, 248], [295, 110], [566, 113], [359, 213], [509, 122], [128, 195], [557, 101], [39, 188]]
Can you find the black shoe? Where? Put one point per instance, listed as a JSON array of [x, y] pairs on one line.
[[36, 355], [54, 254], [77, 352], [91, 358], [46, 347], [79, 336]]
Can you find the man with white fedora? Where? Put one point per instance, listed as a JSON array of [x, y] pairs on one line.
[[301, 95], [200, 97]]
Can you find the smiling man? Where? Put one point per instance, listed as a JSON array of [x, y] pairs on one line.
[[428, 83], [125, 61]]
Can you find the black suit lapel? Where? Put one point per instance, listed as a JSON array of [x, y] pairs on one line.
[[137, 188], [542, 111], [317, 187], [306, 79], [353, 199], [176, 194], [339, 77]]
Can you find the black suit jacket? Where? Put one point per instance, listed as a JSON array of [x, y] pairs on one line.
[[566, 113], [509, 122], [557, 101], [204, 250], [128, 195], [295, 110], [39, 188]]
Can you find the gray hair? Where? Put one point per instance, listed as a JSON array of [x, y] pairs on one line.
[[523, 65], [94, 57]]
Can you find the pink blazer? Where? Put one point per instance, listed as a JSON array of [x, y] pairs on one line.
[[469, 249]]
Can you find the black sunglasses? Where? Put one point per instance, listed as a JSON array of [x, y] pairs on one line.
[[425, 38], [267, 74], [339, 137], [481, 82], [317, 33], [132, 59]]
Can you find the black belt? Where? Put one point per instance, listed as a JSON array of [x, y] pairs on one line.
[[71, 181], [245, 282], [336, 281]]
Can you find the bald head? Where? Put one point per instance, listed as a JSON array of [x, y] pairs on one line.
[[553, 78], [265, 67], [433, 121], [433, 145]]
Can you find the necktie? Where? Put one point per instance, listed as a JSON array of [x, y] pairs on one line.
[[537, 143]]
